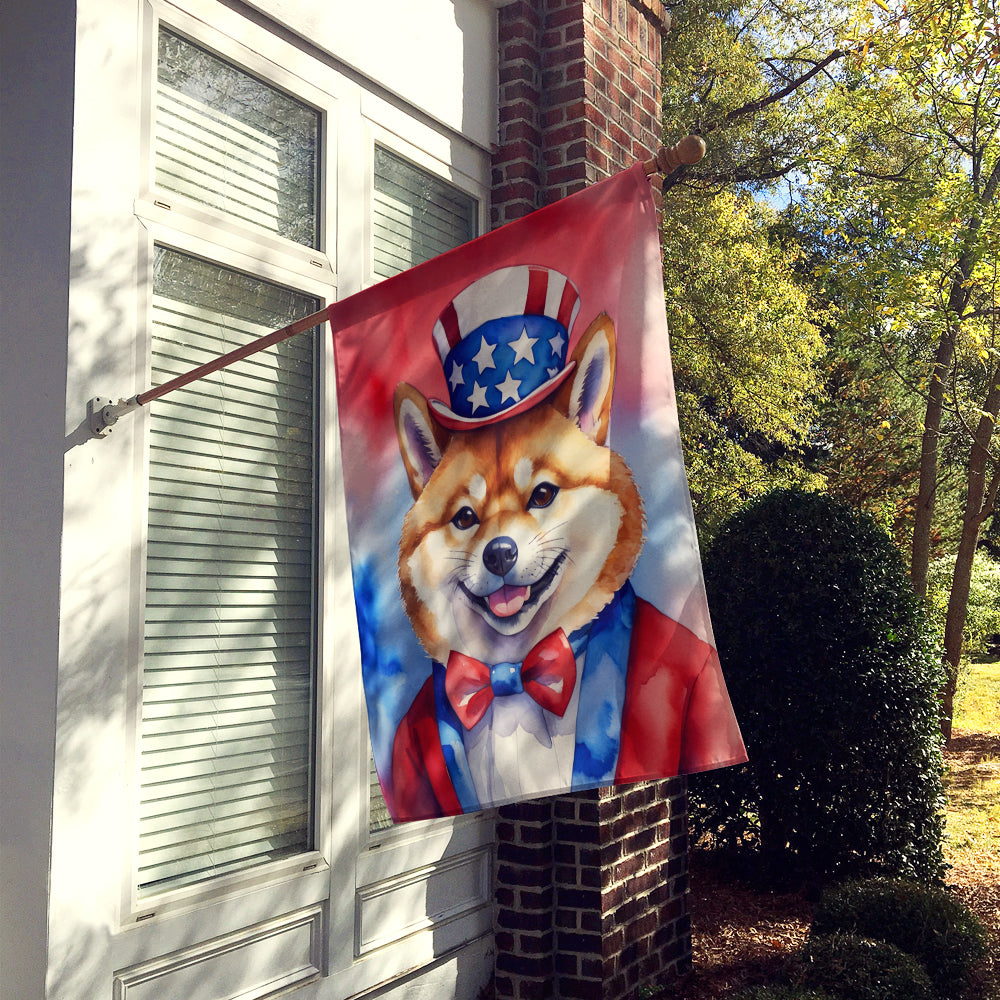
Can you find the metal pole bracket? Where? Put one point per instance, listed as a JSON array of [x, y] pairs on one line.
[[103, 413]]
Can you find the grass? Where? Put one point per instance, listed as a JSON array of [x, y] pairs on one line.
[[972, 847], [973, 782], [977, 706]]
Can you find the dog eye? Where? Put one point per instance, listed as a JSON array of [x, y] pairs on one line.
[[465, 519], [542, 495]]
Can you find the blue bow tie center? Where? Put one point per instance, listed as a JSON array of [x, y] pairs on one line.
[[505, 678]]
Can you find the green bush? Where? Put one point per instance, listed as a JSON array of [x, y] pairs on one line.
[[833, 671], [925, 922], [856, 968], [982, 619], [782, 993]]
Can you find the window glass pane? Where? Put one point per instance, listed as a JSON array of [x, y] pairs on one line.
[[228, 140], [228, 657], [416, 216]]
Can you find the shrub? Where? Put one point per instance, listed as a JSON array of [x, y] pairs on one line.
[[833, 672], [856, 968], [925, 922], [782, 993], [982, 619]]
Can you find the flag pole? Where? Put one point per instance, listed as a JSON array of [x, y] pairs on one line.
[[103, 414], [687, 152]]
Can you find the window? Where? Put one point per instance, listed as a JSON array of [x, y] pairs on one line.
[[253, 806], [228, 678], [229, 647], [416, 216], [210, 821], [227, 140]]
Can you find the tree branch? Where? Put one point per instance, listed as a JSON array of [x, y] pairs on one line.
[[754, 106]]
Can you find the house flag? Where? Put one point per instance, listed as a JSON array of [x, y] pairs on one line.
[[526, 573]]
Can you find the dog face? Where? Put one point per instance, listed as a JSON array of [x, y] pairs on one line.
[[520, 527]]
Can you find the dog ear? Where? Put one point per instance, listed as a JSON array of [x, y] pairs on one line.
[[422, 439], [586, 397]]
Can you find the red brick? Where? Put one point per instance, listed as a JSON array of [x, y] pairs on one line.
[[568, 175], [572, 13], [538, 966], [519, 876], [580, 899], [521, 130], [658, 854], [536, 944], [518, 49], [519, 10], [570, 132], [567, 964], [530, 856], [589, 944], [552, 78], [552, 117], [643, 926], [504, 896], [642, 882], [573, 988], [510, 152], [523, 111], [532, 899], [521, 920], [521, 93], [599, 110]]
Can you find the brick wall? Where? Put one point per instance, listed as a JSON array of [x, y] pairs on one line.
[[579, 96], [591, 889]]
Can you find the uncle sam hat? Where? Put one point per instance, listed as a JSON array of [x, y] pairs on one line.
[[503, 342]]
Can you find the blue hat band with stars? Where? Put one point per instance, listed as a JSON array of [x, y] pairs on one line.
[[502, 361]]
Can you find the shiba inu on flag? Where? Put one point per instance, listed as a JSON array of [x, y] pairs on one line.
[[526, 574]]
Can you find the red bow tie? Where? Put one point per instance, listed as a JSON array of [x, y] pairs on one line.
[[548, 674]]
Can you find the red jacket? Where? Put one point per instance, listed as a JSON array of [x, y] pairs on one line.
[[676, 719]]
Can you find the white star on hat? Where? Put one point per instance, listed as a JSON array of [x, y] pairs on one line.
[[477, 397], [556, 343], [456, 375], [484, 357], [509, 389], [523, 348]]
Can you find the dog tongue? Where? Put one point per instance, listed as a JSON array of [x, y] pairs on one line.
[[508, 600]]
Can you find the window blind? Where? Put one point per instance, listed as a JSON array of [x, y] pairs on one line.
[[415, 216], [228, 652], [228, 140]]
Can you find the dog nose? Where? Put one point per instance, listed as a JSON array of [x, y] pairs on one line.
[[500, 555]]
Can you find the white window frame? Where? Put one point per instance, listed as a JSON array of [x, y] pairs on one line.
[[351, 875], [180, 224]]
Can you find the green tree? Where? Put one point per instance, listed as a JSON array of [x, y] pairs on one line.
[[747, 76], [911, 189], [747, 357]]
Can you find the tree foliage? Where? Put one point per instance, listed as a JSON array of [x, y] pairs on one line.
[[746, 346], [911, 197], [875, 128], [747, 356]]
